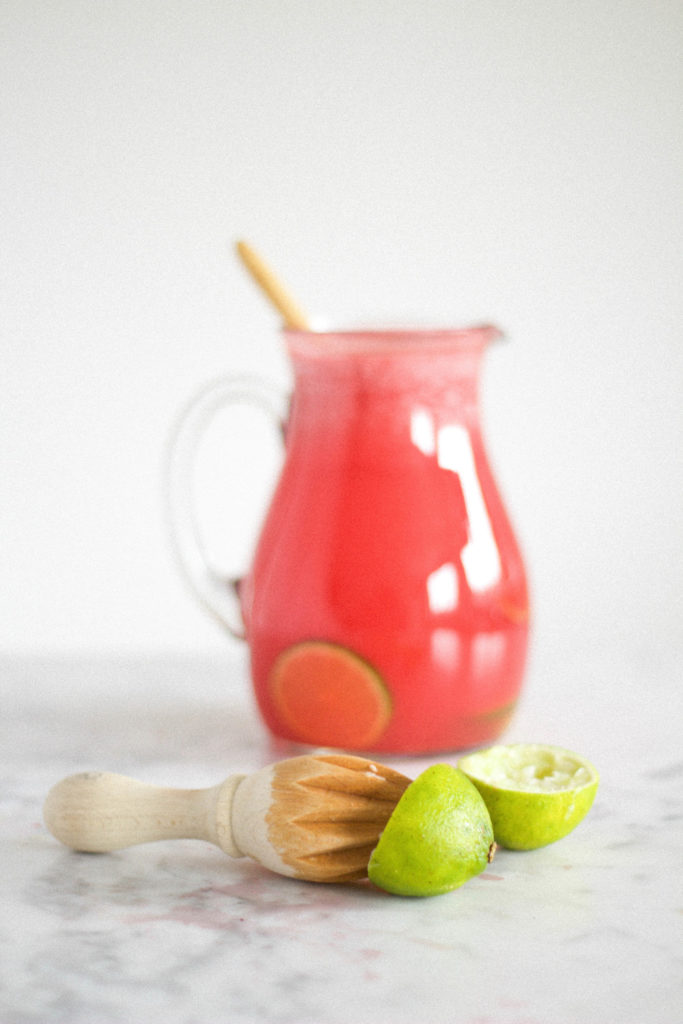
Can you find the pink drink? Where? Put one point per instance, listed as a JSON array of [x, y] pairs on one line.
[[386, 539]]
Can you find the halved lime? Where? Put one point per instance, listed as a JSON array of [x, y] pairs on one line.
[[438, 836], [535, 794]]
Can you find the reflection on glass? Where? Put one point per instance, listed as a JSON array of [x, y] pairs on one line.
[[489, 652], [480, 558], [442, 589], [422, 431], [446, 645]]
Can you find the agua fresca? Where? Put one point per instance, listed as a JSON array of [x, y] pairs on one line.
[[386, 608]]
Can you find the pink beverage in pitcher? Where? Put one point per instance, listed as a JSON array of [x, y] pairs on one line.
[[386, 608]]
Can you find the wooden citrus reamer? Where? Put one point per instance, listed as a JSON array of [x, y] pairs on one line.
[[311, 817]]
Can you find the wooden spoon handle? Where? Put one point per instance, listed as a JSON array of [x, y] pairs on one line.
[[272, 287], [101, 811]]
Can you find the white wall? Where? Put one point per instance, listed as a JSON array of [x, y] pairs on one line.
[[439, 160]]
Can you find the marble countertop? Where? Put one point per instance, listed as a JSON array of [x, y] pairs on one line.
[[586, 930]]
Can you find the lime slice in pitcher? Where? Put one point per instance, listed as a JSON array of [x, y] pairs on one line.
[[329, 696], [535, 794]]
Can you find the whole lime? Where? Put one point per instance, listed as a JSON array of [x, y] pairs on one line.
[[438, 836], [535, 793]]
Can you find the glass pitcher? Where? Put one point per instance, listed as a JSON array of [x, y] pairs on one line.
[[386, 607]]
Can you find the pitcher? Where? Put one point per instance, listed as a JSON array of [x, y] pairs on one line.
[[386, 606]]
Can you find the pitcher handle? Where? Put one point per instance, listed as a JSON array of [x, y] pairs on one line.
[[218, 594]]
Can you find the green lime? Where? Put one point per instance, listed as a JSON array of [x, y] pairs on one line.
[[437, 837], [535, 794]]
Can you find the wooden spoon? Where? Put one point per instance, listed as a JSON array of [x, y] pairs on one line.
[[272, 287], [312, 817]]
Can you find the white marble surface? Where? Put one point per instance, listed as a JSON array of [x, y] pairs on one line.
[[587, 930]]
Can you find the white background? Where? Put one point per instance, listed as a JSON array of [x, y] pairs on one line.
[[432, 160]]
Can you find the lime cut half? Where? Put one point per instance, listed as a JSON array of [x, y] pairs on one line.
[[438, 836], [535, 794]]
